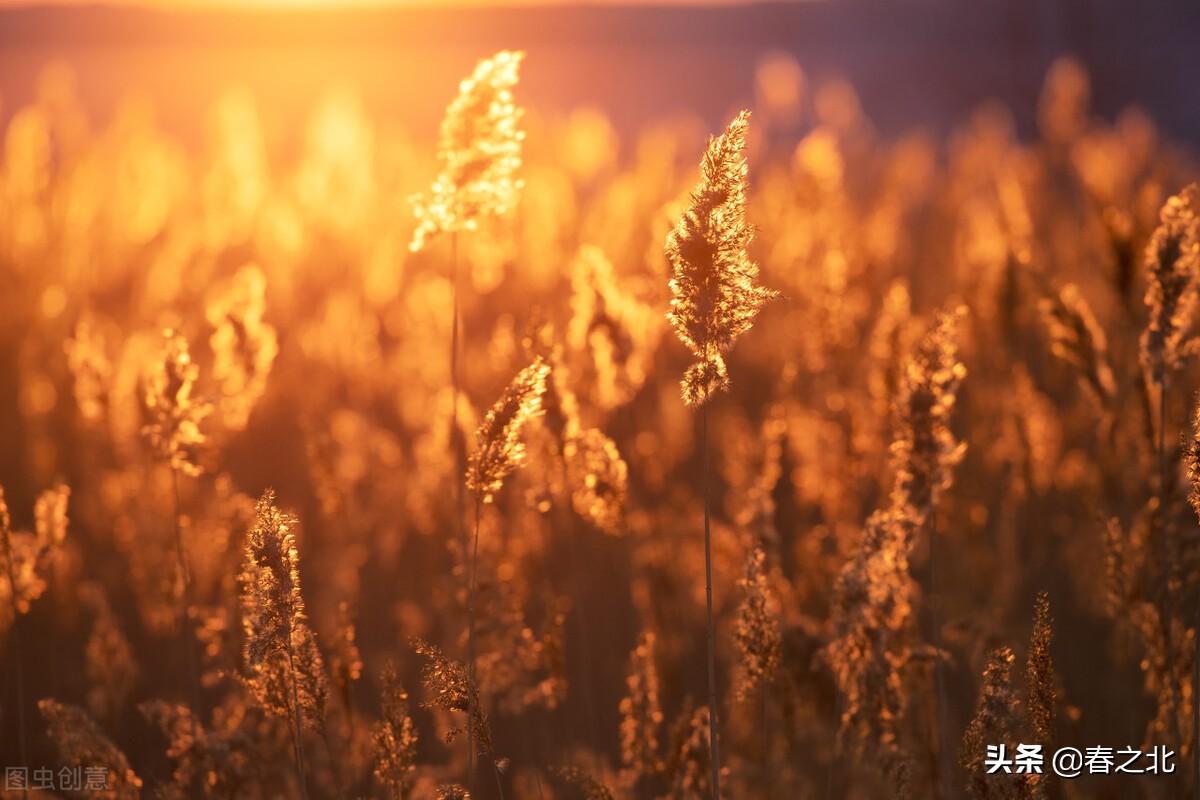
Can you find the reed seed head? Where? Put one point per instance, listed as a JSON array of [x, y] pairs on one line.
[[1172, 264], [714, 297], [1077, 338], [479, 148], [175, 412], [395, 738], [759, 641], [499, 449]]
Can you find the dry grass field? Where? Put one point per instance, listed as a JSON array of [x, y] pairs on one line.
[[516, 457]]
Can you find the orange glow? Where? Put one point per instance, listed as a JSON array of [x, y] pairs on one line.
[[703, 404]]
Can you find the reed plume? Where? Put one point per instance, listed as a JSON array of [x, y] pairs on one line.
[[81, 744], [872, 643], [283, 667], [25, 556], [597, 477], [91, 367], [1077, 339], [345, 660], [641, 715], [688, 762], [499, 449], [395, 738], [584, 786], [479, 148], [50, 516], [758, 637], [925, 450], [875, 640], [1172, 266], [243, 345], [1040, 692], [1123, 560], [26, 553], [590, 468], [176, 413], [998, 720], [1003, 717], [214, 762], [450, 686], [1039, 672], [714, 299]]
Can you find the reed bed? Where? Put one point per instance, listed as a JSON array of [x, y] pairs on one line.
[[929, 481]]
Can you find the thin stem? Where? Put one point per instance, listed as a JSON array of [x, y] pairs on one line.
[[459, 468], [715, 760], [185, 612], [18, 651], [939, 679], [471, 699], [455, 435], [297, 743]]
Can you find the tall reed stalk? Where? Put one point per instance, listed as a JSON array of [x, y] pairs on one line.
[[459, 457], [455, 437], [713, 724], [479, 146], [714, 299], [277, 633], [1172, 264], [471, 695]]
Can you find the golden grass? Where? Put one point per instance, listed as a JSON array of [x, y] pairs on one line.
[[968, 401]]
